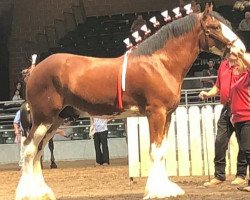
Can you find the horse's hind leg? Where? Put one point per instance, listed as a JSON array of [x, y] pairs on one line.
[[46, 192], [52, 157], [32, 184], [158, 184]]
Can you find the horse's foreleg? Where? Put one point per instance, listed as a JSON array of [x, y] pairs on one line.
[[29, 186], [158, 184]]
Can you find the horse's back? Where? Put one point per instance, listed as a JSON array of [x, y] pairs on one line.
[[63, 77]]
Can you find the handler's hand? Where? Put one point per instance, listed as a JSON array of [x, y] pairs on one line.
[[236, 51], [203, 95]]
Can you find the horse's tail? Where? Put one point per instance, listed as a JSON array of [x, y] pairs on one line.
[[26, 72], [25, 118]]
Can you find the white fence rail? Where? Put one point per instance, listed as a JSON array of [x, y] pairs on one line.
[[190, 143]]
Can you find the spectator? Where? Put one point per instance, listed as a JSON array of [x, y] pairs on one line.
[[18, 86], [16, 96], [245, 23], [19, 139], [241, 5], [137, 24], [196, 7], [224, 127], [100, 139], [211, 71]]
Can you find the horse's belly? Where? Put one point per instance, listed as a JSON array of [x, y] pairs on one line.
[[132, 111]]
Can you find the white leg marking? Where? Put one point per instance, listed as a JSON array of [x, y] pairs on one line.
[[32, 185], [158, 184]]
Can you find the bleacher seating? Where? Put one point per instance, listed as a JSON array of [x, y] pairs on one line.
[[80, 127], [7, 114]]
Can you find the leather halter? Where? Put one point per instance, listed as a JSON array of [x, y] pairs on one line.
[[222, 39]]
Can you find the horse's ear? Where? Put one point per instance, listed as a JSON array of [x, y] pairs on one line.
[[208, 9], [211, 7]]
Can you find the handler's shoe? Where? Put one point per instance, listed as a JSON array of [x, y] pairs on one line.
[[245, 189], [105, 164], [97, 164], [213, 182], [238, 181]]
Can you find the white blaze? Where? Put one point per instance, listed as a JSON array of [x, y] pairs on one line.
[[231, 36]]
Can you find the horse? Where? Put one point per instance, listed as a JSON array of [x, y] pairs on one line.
[[154, 76]]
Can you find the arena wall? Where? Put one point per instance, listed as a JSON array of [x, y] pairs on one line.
[[31, 17], [68, 150]]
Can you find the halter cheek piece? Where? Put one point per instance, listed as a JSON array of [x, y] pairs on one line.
[[208, 34]]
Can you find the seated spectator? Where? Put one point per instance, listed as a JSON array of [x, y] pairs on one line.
[[245, 23], [16, 96], [196, 7], [137, 24], [18, 86], [209, 82], [241, 5]]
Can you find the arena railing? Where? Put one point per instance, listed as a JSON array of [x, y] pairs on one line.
[[80, 128], [189, 95]]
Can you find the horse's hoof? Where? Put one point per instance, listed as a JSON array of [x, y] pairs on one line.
[[245, 189], [53, 165], [164, 190], [33, 190], [45, 197]]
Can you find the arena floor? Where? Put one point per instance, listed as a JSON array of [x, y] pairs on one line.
[[81, 180]]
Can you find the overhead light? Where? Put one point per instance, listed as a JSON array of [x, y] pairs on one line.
[[128, 43], [154, 21], [188, 9], [137, 36], [177, 12], [145, 29], [166, 16]]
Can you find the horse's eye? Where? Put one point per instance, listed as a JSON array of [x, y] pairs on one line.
[[218, 28]]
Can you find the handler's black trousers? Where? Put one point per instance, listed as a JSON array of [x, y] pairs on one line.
[[224, 132], [243, 133], [100, 139]]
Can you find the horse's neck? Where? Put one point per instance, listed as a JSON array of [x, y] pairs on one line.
[[181, 54]]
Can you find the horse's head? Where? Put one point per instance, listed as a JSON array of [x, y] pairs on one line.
[[217, 36]]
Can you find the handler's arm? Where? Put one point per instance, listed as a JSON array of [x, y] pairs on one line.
[[211, 93], [243, 56], [246, 60]]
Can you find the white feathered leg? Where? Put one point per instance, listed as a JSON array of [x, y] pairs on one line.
[[158, 184], [32, 185]]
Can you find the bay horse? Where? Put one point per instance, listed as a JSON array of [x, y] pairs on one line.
[[154, 76]]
